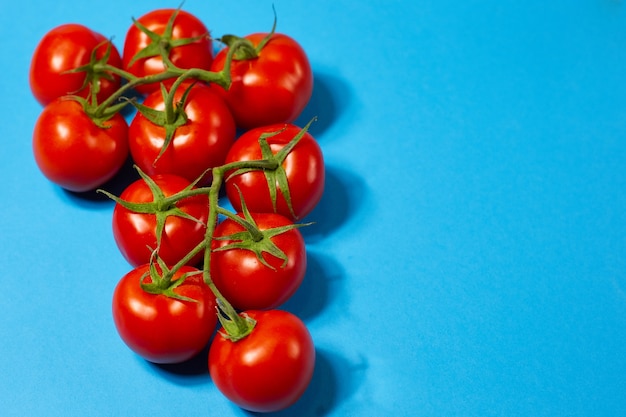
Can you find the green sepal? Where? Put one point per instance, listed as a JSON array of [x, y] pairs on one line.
[[170, 119], [255, 240], [161, 45], [236, 326], [267, 38], [276, 178], [91, 109], [246, 50], [162, 283], [244, 241], [92, 75], [163, 210], [162, 207]]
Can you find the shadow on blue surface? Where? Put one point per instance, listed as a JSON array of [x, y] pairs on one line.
[[314, 294], [92, 199], [343, 196], [329, 100], [194, 371], [334, 381]]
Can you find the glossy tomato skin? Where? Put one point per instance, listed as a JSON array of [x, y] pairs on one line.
[[64, 48], [198, 54], [200, 144], [247, 283], [272, 88], [304, 168], [72, 151], [269, 369], [162, 329], [135, 233]]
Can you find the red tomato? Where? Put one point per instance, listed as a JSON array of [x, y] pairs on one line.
[[65, 48], [197, 54], [75, 153], [303, 167], [135, 233], [198, 145], [163, 329], [272, 88], [243, 279], [269, 369]]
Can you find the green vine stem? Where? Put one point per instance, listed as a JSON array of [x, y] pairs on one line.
[[236, 326], [109, 107]]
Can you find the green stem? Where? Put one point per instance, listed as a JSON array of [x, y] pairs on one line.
[[199, 247], [218, 176], [115, 70], [175, 198], [221, 78], [260, 164], [235, 325]]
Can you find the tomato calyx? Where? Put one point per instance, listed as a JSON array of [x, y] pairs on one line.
[[276, 177], [161, 280], [171, 118], [243, 48], [161, 206], [252, 238], [99, 115], [96, 69], [236, 325], [161, 45]]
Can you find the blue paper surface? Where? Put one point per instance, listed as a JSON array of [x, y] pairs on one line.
[[468, 256]]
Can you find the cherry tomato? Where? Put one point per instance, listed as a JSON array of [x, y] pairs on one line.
[[269, 369], [136, 233], [159, 328], [303, 167], [201, 143], [272, 88], [245, 281], [72, 151], [65, 48], [196, 54]]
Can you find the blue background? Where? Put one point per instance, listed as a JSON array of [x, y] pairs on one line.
[[469, 252]]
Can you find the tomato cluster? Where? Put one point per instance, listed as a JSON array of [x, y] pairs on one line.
[[202, 124]]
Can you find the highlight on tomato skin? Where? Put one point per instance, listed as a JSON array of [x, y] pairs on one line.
[[72, 151], [66, 48], [270, 369]]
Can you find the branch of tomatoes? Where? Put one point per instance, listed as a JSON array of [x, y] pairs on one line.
[[109, 107], [192, 256], [251, 238]]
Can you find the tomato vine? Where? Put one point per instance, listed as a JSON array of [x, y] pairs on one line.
[[174, 283]]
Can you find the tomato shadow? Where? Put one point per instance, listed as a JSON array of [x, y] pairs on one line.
[[343, 195], [194, 371], [329, 100], [322, 275], [93, 199], [334, 381]]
